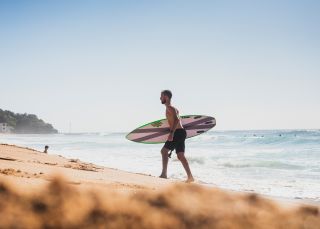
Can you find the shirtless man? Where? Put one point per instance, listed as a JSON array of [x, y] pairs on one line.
[[176, 137]]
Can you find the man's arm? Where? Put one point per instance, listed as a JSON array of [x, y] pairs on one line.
[[173, 114]]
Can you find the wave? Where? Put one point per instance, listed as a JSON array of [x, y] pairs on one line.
[[265, 164], [196, 160], [272, 137]]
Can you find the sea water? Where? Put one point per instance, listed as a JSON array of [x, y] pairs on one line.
[[281, 163]]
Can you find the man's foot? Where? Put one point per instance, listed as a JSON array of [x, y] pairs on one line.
[[163, 176], [190, 180]]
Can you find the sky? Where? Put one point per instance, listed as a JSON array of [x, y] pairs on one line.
[[90, 66]]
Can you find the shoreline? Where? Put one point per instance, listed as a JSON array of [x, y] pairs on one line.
[[29, 167], [51, 191], [26, 166]]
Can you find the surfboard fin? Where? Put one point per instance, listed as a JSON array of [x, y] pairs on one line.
[[169, 155]]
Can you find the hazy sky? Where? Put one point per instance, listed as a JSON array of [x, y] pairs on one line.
[[101, 65]]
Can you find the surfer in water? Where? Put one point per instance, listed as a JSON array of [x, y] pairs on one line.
[[176, 138]]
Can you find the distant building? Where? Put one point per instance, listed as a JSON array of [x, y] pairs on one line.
[[5, 128]]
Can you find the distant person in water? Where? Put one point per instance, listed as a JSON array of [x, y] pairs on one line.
[[176, 138], [46, 149]]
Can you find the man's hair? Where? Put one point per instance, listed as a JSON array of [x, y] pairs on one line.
[[167, 93]]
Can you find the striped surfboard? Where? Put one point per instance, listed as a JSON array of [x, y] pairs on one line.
[[158, 131]]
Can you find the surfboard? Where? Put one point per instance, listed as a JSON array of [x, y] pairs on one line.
[[158, 131]]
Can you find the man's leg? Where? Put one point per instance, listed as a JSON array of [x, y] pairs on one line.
[[165, 159], [186, 167]]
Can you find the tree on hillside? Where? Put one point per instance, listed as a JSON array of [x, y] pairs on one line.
[[26, 123]]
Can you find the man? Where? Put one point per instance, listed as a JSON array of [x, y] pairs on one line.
[[46, 149], [176, 138]]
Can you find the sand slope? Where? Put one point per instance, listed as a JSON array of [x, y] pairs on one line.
[[90, 196], [28, 167]]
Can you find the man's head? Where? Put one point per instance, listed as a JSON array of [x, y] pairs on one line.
[[166, 96]]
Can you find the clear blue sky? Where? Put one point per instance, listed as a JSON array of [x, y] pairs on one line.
[[102, 64]]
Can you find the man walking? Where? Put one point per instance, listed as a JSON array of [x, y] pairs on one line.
[[176, 138]]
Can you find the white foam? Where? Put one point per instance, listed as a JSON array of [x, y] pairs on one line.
[[261, 161]]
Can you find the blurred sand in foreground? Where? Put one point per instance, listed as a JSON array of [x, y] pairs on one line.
[[84, 195]]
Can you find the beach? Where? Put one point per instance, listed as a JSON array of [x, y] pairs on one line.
[[277, 163], [95, 94], [29, 168], [96, 196]]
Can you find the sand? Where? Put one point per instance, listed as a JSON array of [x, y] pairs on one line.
[[91, 196], [30, 168]]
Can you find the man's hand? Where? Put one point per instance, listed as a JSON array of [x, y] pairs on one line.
[[170, 137]]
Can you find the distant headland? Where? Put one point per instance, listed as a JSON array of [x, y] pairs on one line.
[[11, 122]]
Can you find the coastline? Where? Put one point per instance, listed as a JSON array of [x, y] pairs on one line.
[[25, 167], [29, 167], [72, 193]]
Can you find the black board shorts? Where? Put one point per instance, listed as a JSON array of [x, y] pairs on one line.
[[177, 144]]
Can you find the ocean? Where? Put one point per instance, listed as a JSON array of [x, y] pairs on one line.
[[278, 163]]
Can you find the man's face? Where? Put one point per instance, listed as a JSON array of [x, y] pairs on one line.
[[163, 99]]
